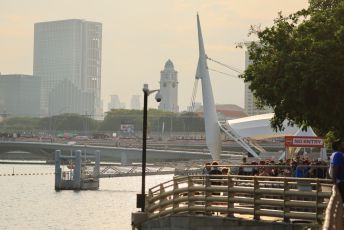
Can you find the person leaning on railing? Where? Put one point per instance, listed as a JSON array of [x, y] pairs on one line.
[[317, 169], [215, 170], [337, 165], [247, 171], [207, 168]]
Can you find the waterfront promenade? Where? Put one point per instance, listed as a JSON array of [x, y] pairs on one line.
[[241, 202]]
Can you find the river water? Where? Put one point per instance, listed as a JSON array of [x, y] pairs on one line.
[[30, 202]]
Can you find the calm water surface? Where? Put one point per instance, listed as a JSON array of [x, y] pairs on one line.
[[30, 202]]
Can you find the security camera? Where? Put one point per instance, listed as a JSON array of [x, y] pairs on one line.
[[158, 96]]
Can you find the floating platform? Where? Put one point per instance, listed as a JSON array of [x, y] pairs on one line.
[[77, 176]]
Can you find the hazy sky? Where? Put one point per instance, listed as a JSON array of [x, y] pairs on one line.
[[139, 36]]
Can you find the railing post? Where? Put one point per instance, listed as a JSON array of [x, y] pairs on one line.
[[148, 202], [175, 196], [190, 194], [286, 198], [317, 202], [255, 198], [162, 191], [207, 194], [230, 203]]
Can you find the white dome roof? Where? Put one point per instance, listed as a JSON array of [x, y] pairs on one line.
[[259, 127]]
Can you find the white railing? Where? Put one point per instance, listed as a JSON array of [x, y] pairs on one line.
[[278, 197], [334, 212]]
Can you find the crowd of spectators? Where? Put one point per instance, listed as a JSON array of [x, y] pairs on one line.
[[299, 166]]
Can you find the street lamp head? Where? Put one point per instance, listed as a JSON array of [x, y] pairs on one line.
[[145, 88], [158, 96], [147, 92]]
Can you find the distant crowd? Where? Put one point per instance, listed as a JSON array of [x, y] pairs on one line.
[[298, 167]]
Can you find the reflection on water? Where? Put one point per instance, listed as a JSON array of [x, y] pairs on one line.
[[30, 202]]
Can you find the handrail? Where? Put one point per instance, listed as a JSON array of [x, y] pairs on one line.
[[230, 195], [334, 212]]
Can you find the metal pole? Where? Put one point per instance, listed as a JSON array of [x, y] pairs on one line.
[[57, 169], [141, 197], [144, 145]]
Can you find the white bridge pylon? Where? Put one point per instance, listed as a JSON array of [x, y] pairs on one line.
[[212, 129], [245, 131]]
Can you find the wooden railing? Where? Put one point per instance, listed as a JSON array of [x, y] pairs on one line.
[[334, 212], [276, 197]]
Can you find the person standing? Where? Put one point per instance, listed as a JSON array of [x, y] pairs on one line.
[[207, 168], [215, 173], [337, 165]]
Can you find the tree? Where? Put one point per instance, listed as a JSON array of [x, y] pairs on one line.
[[157, 119], [116, 117], [298, 67], [68, 122], [19, 124]]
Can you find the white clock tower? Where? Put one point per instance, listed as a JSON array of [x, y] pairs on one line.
[[169, 88]]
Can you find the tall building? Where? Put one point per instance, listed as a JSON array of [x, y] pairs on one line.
[[20, 95], [67, 57], [114, 102], [169, 88], [250, 101], [135, 102]]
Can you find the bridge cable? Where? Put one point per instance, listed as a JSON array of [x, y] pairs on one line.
[[227, 74], [193, 96], [225, 65], [194, 91]]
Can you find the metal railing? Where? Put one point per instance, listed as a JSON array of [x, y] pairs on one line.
[[258, 196], [334, 212]]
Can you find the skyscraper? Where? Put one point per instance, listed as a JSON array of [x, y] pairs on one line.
[[114, 103], [169, 88], [250, 101], [19, 95], [67, 57], [135, 102]]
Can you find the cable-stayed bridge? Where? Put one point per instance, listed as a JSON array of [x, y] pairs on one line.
[[43, 150]]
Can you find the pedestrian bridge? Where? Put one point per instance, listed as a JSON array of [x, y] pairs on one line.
[[45, 151], [234, 200]]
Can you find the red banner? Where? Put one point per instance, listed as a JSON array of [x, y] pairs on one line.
[[295, 141]]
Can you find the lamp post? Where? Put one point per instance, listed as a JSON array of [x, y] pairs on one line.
[[140, 202]]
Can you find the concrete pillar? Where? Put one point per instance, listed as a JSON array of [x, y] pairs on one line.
[[57, 170], [77, 170], [96, 170], [124, 158]]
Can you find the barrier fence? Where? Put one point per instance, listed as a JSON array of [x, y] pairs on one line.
[[334, 212], [259, 197], [27, 174]]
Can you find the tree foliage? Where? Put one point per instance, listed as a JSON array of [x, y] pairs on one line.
[[298, 67], [20, 123], [157, 122], [68, 122]]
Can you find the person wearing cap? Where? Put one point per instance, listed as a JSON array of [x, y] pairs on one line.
[[337, 165]]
